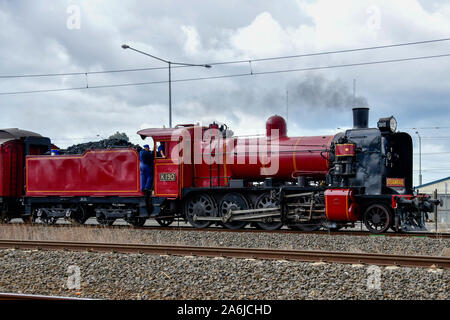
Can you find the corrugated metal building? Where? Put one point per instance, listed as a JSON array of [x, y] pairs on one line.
[[443, 189]]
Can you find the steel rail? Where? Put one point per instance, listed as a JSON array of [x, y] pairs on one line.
[[20, 296], [297, 255], [433, 235]]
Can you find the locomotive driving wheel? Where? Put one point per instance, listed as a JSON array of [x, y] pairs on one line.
[[377, 218], [265, 201], [233, 201], [200, 205]]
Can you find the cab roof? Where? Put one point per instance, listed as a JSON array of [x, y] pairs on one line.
[[167, 133], [15, 134]]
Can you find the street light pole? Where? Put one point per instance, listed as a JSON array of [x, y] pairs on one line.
[[170, 95], [170, 63], [420, 158]]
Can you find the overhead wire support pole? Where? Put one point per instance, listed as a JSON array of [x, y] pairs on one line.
[[170, 95], [420, 158], [170, 63]]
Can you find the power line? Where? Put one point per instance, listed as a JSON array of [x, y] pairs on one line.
[[231, 75], [228, 62], [333, 52], [79, 73]]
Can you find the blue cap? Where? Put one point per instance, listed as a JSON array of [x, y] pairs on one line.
[[146, 146]]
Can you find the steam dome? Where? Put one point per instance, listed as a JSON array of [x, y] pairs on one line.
[[276, 122]]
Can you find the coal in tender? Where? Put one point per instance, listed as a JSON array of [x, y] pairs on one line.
[[110, 143]]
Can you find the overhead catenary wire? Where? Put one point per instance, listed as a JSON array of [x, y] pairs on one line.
[[231, 61], [332, 52], [252, 73], [62, 74]]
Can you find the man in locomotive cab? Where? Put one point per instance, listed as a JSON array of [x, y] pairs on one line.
[[146, 167], [161, 149]]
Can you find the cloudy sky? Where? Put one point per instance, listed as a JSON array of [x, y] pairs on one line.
[[48, 37]]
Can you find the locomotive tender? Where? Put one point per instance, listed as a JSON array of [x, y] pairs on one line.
[[208, 176]]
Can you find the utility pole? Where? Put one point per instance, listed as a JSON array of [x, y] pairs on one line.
[[420, 158]]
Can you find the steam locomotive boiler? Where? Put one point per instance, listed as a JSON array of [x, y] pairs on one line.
[[208, 176]]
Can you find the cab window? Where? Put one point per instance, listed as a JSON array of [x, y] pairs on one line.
[[161, 150]]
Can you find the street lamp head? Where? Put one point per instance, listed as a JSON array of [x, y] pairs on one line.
[[207, 66], [125, 46]]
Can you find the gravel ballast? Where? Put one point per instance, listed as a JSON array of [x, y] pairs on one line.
[[138, 276]]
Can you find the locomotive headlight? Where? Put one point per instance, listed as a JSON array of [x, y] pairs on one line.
[[393, 124], [387, 124]]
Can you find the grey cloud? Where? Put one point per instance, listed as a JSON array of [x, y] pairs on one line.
[[38, 42]]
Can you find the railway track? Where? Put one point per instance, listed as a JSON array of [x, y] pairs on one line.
[[250, 253], [21, 296], [219, 229]]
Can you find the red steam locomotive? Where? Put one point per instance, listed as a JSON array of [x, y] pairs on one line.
[[207, 176]]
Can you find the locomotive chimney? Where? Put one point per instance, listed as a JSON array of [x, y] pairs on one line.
[[360, 118]]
